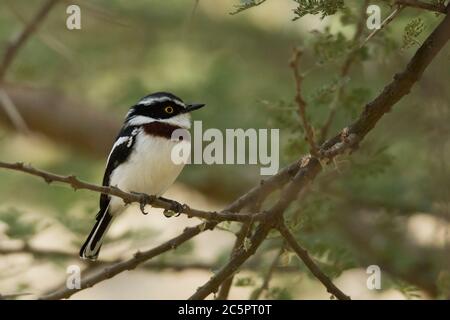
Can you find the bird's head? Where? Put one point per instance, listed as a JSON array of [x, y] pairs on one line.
[[162, 107]]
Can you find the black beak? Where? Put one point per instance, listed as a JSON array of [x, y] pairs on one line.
[[194, 106]]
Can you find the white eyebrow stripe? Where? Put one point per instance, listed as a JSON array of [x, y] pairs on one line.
[[148, 101]]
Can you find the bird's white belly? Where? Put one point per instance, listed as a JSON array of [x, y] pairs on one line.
[[149, 169]]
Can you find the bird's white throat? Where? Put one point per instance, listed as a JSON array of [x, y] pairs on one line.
[[182, 120]]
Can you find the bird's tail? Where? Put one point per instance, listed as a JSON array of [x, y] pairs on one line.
[[93, 243]]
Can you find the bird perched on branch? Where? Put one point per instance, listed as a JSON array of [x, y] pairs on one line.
[[140, 159]]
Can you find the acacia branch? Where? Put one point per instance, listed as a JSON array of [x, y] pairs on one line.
[[344, 71], [241, 235], [310, 264], [304, 172], [392, 93], [399, 87], [260, 191], [309, 169], [42, 253], [309, 132], [138, 258], [142, 199]]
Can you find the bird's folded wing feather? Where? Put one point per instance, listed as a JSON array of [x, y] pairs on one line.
[[120, 152]]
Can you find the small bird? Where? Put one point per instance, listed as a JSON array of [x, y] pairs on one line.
[[140, 159]]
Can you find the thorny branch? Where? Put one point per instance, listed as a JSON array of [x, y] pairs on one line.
[[310, 264], [138, 258], [262, 190], [309, 132], [129, 197], [309, 169], [296, 176], [42, 253], [344, 71], [241, 236], [392, 93]]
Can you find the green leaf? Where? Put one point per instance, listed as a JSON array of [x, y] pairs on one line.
[[246, 4], [322, 7], [412, 31]]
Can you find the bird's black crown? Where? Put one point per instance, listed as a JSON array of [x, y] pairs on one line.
[[161, 105]]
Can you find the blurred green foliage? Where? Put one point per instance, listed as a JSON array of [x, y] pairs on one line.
[[238, 66]]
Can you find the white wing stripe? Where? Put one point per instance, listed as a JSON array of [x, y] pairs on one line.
[[118, 142]]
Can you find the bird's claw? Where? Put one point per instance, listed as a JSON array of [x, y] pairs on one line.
[[144, 200], [175, 209], [142, 207]]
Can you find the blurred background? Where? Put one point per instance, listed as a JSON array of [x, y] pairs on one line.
[[387, 205]]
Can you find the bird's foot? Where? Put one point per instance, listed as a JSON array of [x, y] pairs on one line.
[[175, 209], [145, 199]]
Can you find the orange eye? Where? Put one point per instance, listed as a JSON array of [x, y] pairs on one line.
[[168, 109]]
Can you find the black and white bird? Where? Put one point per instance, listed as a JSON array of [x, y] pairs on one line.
[[140, 159]]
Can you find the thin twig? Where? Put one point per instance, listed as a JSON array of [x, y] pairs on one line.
[[309, 132], [310, 264], [11, 51], [20, 40], [241, 235], [256, 294], [51, 42], [138, 258], [261, 191], [345, 69], [386, 21], [190, 19], [128, 197], [12, 112]]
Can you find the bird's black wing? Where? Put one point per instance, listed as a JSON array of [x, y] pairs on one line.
[[120, 152]]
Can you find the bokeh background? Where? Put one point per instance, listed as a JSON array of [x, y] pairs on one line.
[[387, 205]]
